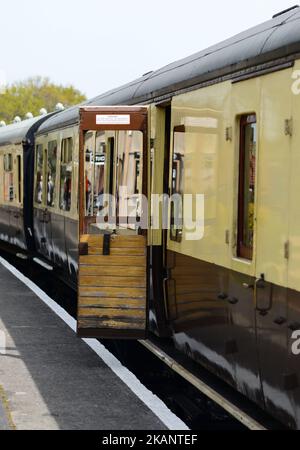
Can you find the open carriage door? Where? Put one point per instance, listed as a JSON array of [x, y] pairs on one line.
[[112, 281]]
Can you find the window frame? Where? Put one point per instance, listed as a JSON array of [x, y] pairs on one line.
[[40, 146], [55, 199], [243, 251], [176, 234], [9, 169], [66, 152]]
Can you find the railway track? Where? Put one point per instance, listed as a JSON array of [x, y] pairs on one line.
[[202, 401]]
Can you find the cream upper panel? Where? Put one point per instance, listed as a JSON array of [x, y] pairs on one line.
[[212, 169], [245, 99], [211, 166], [207, 167], [274, 178], [294, 203]]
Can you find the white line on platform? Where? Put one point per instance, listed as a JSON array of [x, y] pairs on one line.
[[156, 405]]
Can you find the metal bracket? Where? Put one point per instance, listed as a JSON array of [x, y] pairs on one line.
[[288, 127], [287, 250], [229, 134]]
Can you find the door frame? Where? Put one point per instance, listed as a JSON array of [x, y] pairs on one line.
[[138, 122]]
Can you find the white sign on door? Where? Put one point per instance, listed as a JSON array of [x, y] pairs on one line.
[[113, 119]]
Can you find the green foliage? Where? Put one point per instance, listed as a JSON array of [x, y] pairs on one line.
[[33, 94]]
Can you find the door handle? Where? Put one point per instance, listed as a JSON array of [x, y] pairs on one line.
[[259, 285]]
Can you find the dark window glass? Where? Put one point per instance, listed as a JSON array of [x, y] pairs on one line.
[[129, 178], [177, 187], [19, 174], [51, 173], [39, 164], [247, 180], [8, 178]]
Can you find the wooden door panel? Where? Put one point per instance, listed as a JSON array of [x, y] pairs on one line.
[[112, 296]]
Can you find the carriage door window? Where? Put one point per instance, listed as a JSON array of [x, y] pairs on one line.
[[177, 184], [8, 178], [51, 173], [66, 174], [39, 167], [129, 178], [19, 172], [110, 163], [247, 178]]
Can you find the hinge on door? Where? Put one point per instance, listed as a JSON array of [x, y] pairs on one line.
[[287, 250], [229, 134], [288, 127], [227, 237]]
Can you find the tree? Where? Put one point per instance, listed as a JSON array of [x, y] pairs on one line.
[[33, 94]]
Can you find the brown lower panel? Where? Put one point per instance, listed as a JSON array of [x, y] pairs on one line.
[[240, 330]]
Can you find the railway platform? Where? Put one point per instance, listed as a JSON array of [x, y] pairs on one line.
[[52, 380]]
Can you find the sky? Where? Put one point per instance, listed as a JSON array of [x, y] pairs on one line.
[[97, 45]]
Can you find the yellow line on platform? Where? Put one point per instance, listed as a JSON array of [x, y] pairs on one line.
[[5, 404]]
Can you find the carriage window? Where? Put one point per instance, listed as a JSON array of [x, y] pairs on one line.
[[247, 179], [39, 164], [99, 152], [66, 170], [51, 173], [19, 172], [8, 178], [129, 177], [89, 148], [177, 187], [99, 172]]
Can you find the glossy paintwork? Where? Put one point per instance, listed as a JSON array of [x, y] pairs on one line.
[[11, 213], [234, 316], [249, 341], [213, 320], [208, 153], [56, 231], [12, 226]]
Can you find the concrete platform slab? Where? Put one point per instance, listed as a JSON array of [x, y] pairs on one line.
[[51, 379]]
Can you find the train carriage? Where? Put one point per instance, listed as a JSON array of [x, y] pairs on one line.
[[223, 123], [16, 175]]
